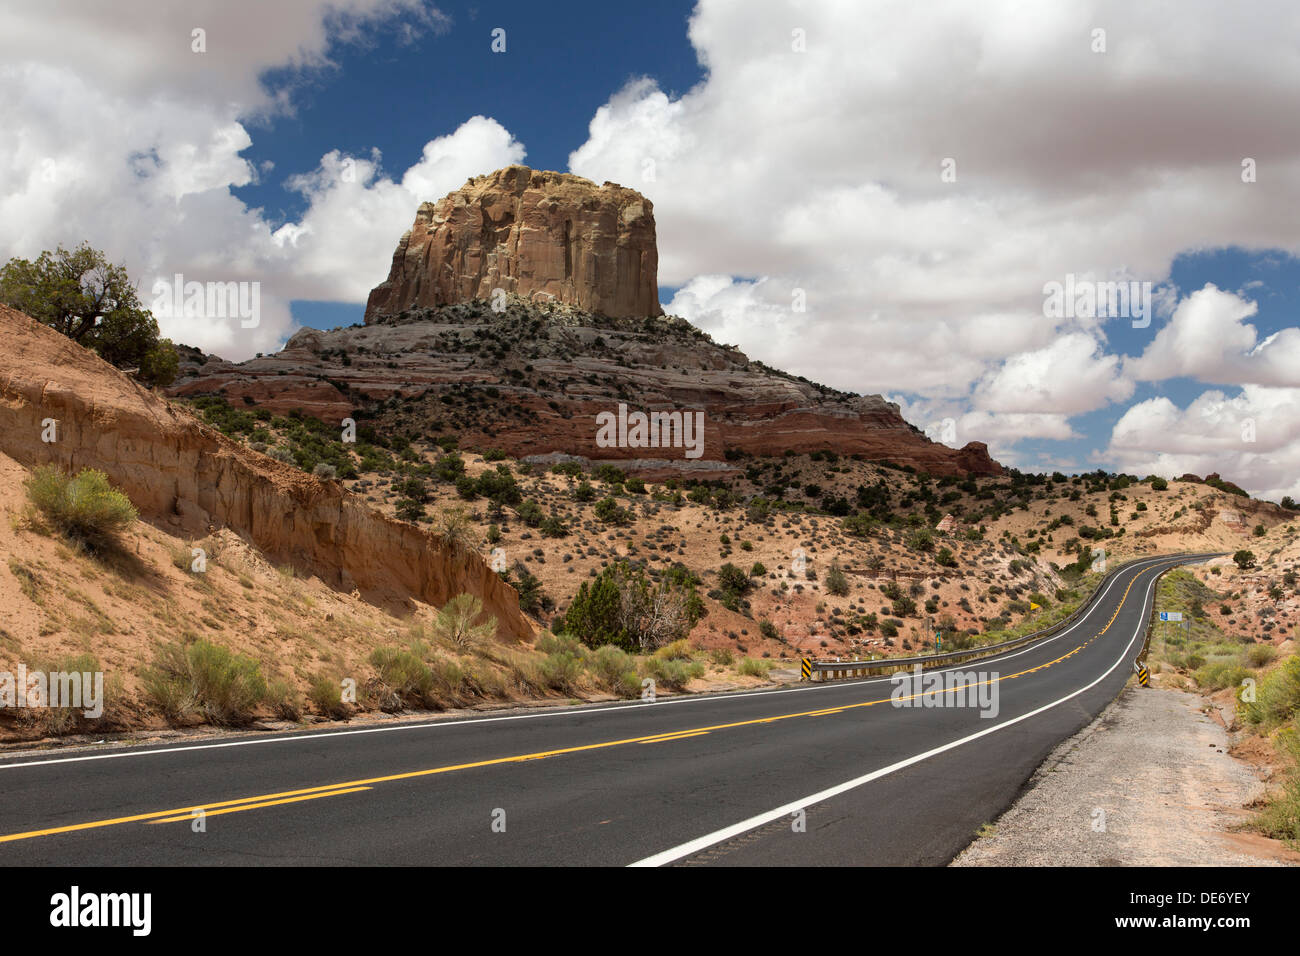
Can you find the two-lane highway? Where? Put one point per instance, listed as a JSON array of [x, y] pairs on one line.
[[842, 773]]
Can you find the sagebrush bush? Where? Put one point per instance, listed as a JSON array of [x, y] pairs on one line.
[[1260, 654], [561, 670], [750, 667], [1280, 819], [1277, 698], [837, 582], [455, 622], [615, 670], [679, 650], [674, 674], [284, 700], [326, 695], [207, 679], [549, 643], [1217, 675], [85, 506], [55, 721], [402, 678]]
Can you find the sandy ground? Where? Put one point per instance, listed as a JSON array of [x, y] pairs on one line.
[[1149, 783]]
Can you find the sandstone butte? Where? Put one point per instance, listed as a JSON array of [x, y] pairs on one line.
[[581, 332], [542, 236], [189, 480]]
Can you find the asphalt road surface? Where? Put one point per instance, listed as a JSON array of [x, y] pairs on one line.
[[822, 774]]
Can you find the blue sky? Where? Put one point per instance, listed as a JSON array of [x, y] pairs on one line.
[[805, 159], [395, 96], [1271, 278]]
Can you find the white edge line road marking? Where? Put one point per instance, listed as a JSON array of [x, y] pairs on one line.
[[17, 762], [718, 836]]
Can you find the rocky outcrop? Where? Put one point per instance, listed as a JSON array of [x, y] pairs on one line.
[[190, 480], [543, 236], [522, 309], [532, 381]]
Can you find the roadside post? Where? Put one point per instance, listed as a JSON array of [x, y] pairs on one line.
[[807, 668]]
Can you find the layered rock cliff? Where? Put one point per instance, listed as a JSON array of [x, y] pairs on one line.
[[543, 236], [191, 480], [532, 381]]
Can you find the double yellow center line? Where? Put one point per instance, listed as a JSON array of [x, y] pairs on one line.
[[181, 814]]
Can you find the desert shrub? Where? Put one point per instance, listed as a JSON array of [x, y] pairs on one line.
[[674, 674], [679, 650], [1258, 655], [903, 607], [1277, 698], [284, 700], [529, 588], [922, 539], [205, 678], [859, 526], [769, 630], [615, 670], [530, 513], [561, 670], [723, 656], [837, 582], [450, 681], [1280, 819], [455, 623], [499, 485], [85, 506], [449, 468], [1217, 675], [553, 526], [751, 667], [325, 471], [608, 511], [409, 509], [732, 578], [326, 695], [454, 526], [54, 721], [550, 643], [1244, 559], [403, 679], [413, 488], [734, 585]]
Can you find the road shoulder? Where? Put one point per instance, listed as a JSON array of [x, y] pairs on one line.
[[1150, 782]]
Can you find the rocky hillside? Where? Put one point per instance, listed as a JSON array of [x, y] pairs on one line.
[[532, 380]]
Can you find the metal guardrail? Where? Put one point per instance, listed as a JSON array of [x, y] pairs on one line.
[[834, 670]]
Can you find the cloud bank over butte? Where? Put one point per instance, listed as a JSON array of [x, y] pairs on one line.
[[808, 164]]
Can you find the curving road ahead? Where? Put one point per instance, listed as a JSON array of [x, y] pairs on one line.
[[823, 774]]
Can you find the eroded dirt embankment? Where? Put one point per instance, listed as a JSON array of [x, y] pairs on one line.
[[191, 480]]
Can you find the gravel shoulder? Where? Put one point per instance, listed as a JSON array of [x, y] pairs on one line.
[[1149, 783]]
